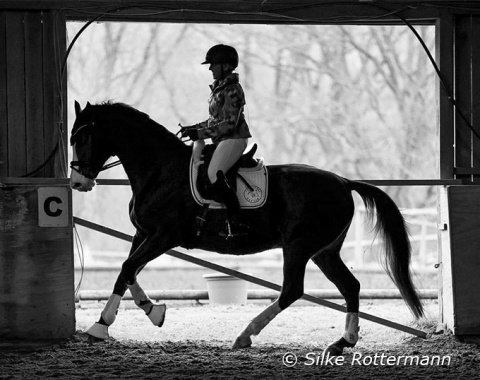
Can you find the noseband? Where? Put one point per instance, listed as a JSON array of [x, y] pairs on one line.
[[88, 164]]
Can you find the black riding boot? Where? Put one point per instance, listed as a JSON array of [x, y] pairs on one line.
[[225, 194]]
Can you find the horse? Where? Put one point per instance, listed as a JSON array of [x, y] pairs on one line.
[[307, 213]]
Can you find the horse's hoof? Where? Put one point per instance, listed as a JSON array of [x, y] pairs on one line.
[[242, 342], [157, 314], [336, 348], [98, 331], [93, 339]]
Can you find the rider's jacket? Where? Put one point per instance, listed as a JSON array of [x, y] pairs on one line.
[[225, 106]]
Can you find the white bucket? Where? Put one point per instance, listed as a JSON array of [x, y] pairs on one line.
[[224, 289]]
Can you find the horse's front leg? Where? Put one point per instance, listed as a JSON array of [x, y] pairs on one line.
[[155, 312], [99, 330], [150, 248], [144, 249]]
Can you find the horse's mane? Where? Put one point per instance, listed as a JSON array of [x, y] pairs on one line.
[[122, 107], [141, 120]]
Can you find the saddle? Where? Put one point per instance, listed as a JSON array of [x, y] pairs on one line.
[[248, 176]]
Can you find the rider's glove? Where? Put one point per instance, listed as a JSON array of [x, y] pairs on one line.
[[191, 133]]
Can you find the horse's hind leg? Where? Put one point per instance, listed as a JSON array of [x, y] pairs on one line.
[[292, 290], [335, 270]]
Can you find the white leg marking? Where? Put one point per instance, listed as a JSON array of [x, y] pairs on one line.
[[351, 328], [256, 325], [139, 296], [109, 313], [110, 310], [156, 313]]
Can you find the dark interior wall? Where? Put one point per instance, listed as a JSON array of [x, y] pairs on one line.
[[32, 44]]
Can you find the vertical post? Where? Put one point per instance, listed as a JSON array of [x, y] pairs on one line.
[[3, 95], [33, 25], [475, 66], [15, 85], [463, 98], [422, 251], [358, 249], [55, 89], [445, 122], [444, 51]]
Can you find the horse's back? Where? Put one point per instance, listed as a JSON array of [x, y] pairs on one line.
[[308, 181], [315, 201]]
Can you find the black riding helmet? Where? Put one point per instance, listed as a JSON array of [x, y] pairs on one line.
[[221, 54]]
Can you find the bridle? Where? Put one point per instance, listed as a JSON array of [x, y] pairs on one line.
[[79, 164], [88, 164]]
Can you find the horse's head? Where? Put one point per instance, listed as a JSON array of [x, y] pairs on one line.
[[89, 154]]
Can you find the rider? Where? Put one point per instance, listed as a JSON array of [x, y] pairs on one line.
[[226, 127]]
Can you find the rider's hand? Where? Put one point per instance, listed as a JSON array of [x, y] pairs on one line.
[[189, 132], [192, 134]]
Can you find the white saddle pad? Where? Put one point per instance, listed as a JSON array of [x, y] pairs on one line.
[[256, 177]]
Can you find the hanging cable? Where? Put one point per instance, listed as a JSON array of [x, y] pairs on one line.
[[81, 258], [442, 80]]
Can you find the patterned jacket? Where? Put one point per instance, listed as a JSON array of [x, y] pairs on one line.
[[225, 106]]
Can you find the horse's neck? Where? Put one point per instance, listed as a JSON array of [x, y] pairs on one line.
[[149, 157]]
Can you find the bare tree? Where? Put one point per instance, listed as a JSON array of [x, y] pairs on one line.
[[355, 100]]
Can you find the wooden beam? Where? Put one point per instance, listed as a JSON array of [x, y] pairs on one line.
[[20, 182], [59, 4], [15, 64], [467, 172], [3, 98], [475, 65], [34, 92], [55, 93], [461, 266], [444, 58], [248, 11], [463, 135]]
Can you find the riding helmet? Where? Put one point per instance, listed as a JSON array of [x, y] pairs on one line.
[[222, 54]]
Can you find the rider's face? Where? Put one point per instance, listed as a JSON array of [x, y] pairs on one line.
[[216, 69]]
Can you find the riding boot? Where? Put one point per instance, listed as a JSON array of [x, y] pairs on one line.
[[225, 194]]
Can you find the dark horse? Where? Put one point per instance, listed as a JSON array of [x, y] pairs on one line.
[[308, 213]]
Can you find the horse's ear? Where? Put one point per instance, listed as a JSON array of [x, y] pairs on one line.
[[78, 109], [88, 105]]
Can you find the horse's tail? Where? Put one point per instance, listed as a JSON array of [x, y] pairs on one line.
[[391, 225]]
